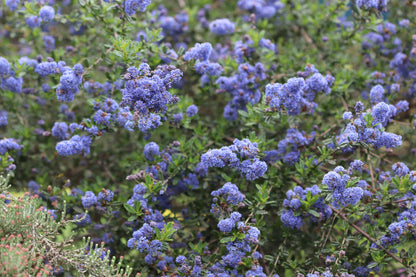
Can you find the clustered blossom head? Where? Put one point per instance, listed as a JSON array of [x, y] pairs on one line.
[[201, 53], [222, 26], [289, 148], [191, 110], [69, 82], [146, 94], [361, 129], [60, 130], [8, 80], [174, 26], [131, 6], [74, 146], [343, 191], [261, 9], [105, 195], [400, 169], [3, 118], [142, 239], [150, 150], [297, 94], [82, 219], [225, 198], [404, 226], [377, 94], [251, 167], [380, 5], [243, 87], [293, 204], [47, 13], [239, 249], [12, 4], [9, 144], [89, 199]]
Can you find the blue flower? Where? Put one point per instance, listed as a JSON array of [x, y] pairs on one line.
[[151, 150], [131, 6], [192, 110], [226, 225], [89, 199], [105, 195], [33, 21], [47, 13], [222, 26], [60, 130], [3, 118], [199, 52]]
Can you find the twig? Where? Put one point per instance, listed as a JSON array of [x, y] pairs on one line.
[[371, 171], [278, 257], [371, 238], [380, 157], [327, 131], [97, 61], [181, 3], [344, 103], [399, 122]]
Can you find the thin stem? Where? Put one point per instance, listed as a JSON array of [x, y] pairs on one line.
[[373, 240]]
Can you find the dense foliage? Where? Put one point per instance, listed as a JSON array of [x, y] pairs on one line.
[[207, 138]]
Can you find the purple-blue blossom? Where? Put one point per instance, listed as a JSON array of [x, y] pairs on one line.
[[192, 110], [47, 13], [222, 26], [151, 150], [89, 199]]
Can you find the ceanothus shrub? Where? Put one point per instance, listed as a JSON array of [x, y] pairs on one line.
[[207, 138]]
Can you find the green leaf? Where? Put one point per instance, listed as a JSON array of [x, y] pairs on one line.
[[129, 208], [226, 239], [314, 213]]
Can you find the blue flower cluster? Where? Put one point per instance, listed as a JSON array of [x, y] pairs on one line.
[[226, 198], [202, 53], [49, 67], [380, 5], [75, 145], [131, 6], [298, 93], [289, 149], [186, 180], [294, 214], [146, 93], [47, 13], [191, 110], [372, 133], [69, 82], [172, 27], [82, 219], [142, 239], [251, 167], [8, 79], [3, 118], [239, 249], [9, 144], [243, 87], [263, 9], [343, 191], [97, 88], [89, 199], [150, 150], [105, 195], [60, 130], [222, 26]]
